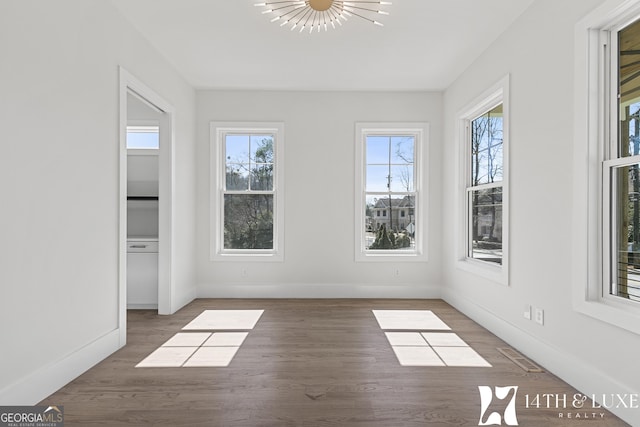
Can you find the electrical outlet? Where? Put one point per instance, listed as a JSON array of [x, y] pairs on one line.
[[244, 272], [396, 272], [539, 316], [527, 311]]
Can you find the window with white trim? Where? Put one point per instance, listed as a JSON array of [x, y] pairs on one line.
[[621, 172], [390, 206], [483, 207], [605, 222], [247, 214]]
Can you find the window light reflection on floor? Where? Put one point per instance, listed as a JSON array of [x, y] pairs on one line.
[[425, 348], [205, 348]]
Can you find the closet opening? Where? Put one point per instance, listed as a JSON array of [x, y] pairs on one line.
[[143, 144], [146, 201]]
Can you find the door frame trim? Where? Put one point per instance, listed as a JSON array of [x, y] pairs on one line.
[[128, 83]]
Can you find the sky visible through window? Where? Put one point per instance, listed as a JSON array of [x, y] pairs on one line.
[[390, 163], [143, 137]]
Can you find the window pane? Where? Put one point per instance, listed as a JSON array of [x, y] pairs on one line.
[[486, 225], [261, 148], [237, 148], [627, 232], [385, 226], [377, 178], [402, 149], [629, 90], [262, 162], [390, 163], [248, 221], [237, 177], [262, 177], [486, 147], [143, 137], [377, 150], [402, 178]]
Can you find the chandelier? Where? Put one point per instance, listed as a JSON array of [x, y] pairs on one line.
[[318, 14]]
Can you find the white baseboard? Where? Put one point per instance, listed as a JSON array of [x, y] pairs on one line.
[[586, 378], [142, 306], [40, 384], [182, 299], [318, 290]]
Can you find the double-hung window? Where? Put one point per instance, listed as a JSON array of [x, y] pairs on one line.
[[484, 186], [606, 190], [390, 206], [247, 212], [483, 207], [621, 176]]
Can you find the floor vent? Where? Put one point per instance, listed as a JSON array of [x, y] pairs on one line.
[[520, 360]]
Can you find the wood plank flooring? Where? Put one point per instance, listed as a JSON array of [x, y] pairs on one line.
[[306, 363]]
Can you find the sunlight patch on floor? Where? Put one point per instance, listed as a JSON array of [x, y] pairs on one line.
[[423, 320], [220, 320], [415, 348], [208, 348]]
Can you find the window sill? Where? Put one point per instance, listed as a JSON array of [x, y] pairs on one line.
[[248, 257], [387, 256], [623, 314], [491, 271]]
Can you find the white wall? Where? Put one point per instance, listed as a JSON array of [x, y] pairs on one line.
[[319, 207], [537, 52], [59, 185]]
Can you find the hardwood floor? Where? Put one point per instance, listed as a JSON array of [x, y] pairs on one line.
[[308, 363]]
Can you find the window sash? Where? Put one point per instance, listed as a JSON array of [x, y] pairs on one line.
[[615, 262], [470, 188], [490, 257], [382, 216], [611, 232], [494, 150], [390, 165]]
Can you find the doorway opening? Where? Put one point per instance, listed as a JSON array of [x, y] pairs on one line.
[[143, 149], [146, 201]]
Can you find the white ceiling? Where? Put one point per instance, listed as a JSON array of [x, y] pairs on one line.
[[229, 44]]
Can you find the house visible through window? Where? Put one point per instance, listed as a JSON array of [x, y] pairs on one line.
[[484, 188], [623, 167], [483, 208], [606, 191], [390, 187], [388, 210]]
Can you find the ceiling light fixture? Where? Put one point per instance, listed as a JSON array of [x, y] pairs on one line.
[[318, 14]]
